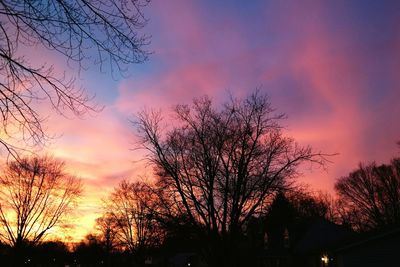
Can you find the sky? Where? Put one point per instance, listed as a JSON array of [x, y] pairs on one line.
[[331, 66]]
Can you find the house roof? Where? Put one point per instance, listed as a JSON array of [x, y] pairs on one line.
[[321, 235], [364, 238]]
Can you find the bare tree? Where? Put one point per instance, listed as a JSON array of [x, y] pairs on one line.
[[370, 196], [309, 204], [220, 167], [107, 227], [35, 194], [129, 209], [84, 33]]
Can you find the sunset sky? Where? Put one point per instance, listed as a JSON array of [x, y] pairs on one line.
[[331, 66]]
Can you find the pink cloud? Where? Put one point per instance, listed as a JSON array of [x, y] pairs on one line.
[[321, 76], [326, 104]]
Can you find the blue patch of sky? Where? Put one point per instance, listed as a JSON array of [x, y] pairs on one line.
[[376, 27]]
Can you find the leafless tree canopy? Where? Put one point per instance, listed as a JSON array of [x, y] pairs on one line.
[[107, 228], [84, 32], [129, 211], [370, 196], [35, 194], [220, 166], [309, 204]]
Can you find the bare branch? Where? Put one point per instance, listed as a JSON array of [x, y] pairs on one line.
[[84, 33], [35, 193], [222, 166]]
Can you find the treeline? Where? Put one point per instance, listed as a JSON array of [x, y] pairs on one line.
[[224, 190]]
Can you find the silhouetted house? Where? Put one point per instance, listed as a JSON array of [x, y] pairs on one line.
[[380, 248], [321, 243], [306, 244], [314, 247]]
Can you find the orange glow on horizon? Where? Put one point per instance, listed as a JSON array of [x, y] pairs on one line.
[[333, 71]]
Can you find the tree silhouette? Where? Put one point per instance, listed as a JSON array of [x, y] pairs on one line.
[[291, 212], [107, 227], [35, 194], [84, 33], [370, 196], [128, 209], [221, 166], [89, 252]]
